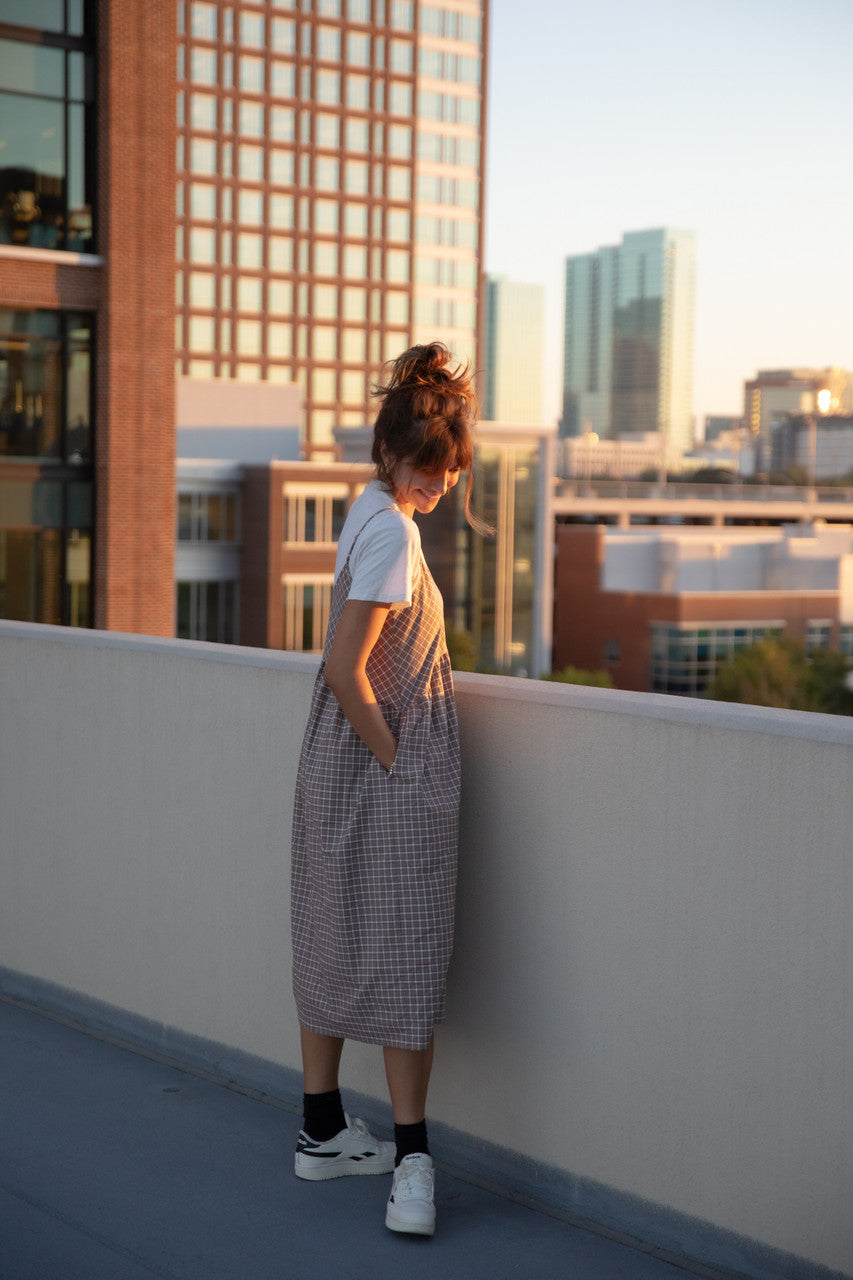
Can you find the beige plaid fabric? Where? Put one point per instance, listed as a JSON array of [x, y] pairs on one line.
[[374, 857]]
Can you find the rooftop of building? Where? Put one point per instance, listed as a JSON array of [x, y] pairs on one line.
[[120, 1166]]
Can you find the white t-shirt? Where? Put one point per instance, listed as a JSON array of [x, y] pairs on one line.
[[385, 556]]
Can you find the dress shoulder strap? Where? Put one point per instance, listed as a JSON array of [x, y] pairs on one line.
[[361, 531]]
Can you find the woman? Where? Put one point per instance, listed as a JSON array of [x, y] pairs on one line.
[[377, 797]]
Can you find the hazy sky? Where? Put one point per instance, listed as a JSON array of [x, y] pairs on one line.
[[732, 118]]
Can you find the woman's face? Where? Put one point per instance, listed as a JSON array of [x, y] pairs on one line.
[[420, 490]]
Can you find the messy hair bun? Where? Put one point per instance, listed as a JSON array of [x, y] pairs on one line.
[[428, 409]]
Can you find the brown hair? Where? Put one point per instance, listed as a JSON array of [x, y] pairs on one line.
[[426, 418]]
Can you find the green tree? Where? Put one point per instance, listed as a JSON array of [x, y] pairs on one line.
[[575, 675], [462, 650], [777, 672]]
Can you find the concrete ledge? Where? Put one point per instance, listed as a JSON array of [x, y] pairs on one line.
[[648, 1007]]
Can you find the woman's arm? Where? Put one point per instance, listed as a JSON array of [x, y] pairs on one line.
[[346, 675]]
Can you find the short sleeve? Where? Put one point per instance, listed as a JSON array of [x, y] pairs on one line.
[[383, 560]]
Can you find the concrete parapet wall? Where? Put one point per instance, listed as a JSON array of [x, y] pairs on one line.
[[651, 989]]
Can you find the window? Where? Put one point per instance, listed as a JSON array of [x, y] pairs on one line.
[[250, 206], [329, 44], [207, 611], [203, 111], [399, 98], [252, 30], [283, 80], [818, 634], [208, 517], [358, 49], [203, 21], [249, 294], [314, 516], [282, 124], [357, 135], [251, 74], [251, 120], [46, 516], [685, 658], [203, 201], [46, 198], [401, 57], [306, 614], [402, 15]]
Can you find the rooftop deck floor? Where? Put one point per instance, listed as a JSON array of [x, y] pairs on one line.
[[114, 1166]]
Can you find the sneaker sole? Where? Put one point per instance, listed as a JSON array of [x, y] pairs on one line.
[[408, 1228], [353, 1168]]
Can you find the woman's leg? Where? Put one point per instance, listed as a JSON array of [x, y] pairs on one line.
[[321, 1060], [408, 1072]]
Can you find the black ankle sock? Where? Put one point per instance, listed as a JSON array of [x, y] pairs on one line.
[[324, 1115], [411, 1140]]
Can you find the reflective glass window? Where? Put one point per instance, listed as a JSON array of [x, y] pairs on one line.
[[328, 44], [280, 253], [358, 49], [282, 167], [281, 212], [203, 201], [279, 340], [252, 29], [354, 303], [355, 261], [203, 21], [398, 224], [202, 156], [283, 80], [325, 300], [203, 111], [325, 258], [249, 337], [328, 86], [202, 245], [280, 297], [250, 250], [357, 176], [203, 66], [401, 56], [358, 92], [202, 291], [355, 219], [401, 15], [328, 130], [251, 74], [251, 119], [357, 135], [354, 345], [358, 10], [399, 98], [283, 35], [282, 124], [326, 215], [251, 163], [250, 208]]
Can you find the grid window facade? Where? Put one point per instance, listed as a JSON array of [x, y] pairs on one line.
[[684, 658], [311, 138], [306, 613]]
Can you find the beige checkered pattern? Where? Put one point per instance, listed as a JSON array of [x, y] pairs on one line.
[[374, 857]]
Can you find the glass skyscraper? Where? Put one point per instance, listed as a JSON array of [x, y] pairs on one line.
[[628, 353]]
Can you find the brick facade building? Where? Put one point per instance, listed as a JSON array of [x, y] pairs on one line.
[[87, 318]]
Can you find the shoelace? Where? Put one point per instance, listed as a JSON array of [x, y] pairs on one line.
[[414, 1181], [358, 1126]]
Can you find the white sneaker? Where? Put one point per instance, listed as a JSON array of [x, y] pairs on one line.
[[410, 1206], [353, 1150]]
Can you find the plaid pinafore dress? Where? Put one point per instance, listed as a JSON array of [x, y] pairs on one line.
[[374, 857]]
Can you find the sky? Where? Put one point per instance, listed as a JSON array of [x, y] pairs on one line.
[[730, 118]]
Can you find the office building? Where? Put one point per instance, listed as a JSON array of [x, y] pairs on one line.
[[774, 394], [87, 170], [628, 349], [660, 608], [329, 195], [514, 324]]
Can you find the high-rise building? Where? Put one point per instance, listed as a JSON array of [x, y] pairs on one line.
[[514, 323], [628, 353], [329, 194], [87, 128]]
